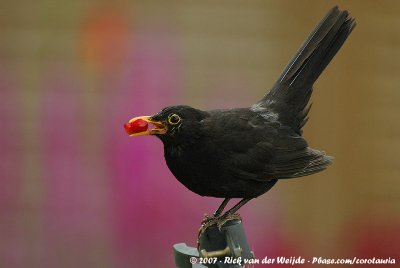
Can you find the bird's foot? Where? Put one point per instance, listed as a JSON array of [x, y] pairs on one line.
[[227, 217], [219, 221]]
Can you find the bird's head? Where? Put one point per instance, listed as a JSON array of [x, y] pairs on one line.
[[172, 124]]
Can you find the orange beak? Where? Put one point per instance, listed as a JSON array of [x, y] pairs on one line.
[[139, 126]]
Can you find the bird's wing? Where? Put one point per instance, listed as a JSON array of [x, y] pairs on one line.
[[293, 158], [287, 156], [252, 148], [290, 94]]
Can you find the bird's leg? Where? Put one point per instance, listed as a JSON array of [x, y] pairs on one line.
[[219, 220], [236, 207], [210, 220], [218, 212], [213, 219], [231, 214]]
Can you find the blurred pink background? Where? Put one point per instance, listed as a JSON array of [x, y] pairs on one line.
[[76, 191]]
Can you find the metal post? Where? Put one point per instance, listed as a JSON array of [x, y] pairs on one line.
[[219, 248]]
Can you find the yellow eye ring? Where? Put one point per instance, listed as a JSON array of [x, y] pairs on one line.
[[174, 119]]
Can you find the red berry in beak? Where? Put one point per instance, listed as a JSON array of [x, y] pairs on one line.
[[139, 125]]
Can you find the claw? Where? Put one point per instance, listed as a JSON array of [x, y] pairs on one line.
[[219, 221], [228, 217]]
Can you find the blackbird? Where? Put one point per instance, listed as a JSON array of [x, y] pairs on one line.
[[243, 152]]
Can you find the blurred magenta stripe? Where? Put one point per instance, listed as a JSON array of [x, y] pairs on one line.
[[65, 208], [10, 170], [135, 164]]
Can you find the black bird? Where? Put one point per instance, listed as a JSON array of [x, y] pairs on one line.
[[243, 152]]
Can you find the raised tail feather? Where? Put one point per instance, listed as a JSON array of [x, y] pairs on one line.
[[292, 91]]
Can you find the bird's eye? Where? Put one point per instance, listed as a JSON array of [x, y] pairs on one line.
[[174, 119]]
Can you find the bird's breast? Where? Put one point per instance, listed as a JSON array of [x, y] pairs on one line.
[[194, 167]]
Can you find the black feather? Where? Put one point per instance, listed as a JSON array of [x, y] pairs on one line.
[[290, 94]]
